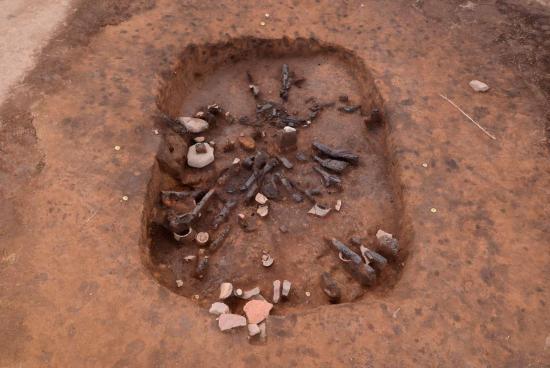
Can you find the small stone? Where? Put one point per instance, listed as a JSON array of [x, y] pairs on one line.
[[319, 211], [212, 143], [193, 125], [238, 293], [286, 288], [156, 132], [262, 24], [267, 260], [267, 15], [260, 198], [283, 229], [308, 294], [424, 164], [433, 210], [202, 238], [250, 293], [196, 296], [125, 198], [479, 86], [218, 308], [263, 211], [226, 289], [179, 283], [228, 321], [253, 329], [199, 139], [247, 143], [276, 291], [236, 161], [189, 258], [117, 148], [257, 310], [199, 160], [338, 205]]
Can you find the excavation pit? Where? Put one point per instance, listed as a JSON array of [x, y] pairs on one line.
[[227, 75]]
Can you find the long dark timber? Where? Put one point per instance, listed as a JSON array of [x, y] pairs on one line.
[[218, 242], [338, 154], [363, 273], [285, 82]]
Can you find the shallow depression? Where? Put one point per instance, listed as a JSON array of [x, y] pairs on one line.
[[217, 74]]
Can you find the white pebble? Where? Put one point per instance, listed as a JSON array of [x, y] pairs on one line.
[[479, 86]]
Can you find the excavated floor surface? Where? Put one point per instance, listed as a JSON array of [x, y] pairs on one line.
[[367, 194], [76, 287]]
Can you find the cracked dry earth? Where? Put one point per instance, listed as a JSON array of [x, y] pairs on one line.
[[81, 276]]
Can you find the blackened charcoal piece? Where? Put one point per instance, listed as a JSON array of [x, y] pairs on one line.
[[334, 165], [338, 154], [349, 109], [329, 180], [285, 82]]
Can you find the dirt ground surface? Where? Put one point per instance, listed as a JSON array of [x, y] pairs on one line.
[[76, 280]]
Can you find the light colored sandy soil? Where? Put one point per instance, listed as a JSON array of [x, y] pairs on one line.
[[25, 27]]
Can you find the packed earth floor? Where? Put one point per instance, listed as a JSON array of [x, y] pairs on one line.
[[98, 193]]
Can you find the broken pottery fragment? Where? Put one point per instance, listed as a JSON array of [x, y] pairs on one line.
[[250, 293], [267, 260], [253, 329], [260, 198], [218, 308], [228, 321], [319, 210], [257, 310], [226, 290], [276, 291], [200, 160], [263, 211], [202, 238], [193, 125], [286, 288]]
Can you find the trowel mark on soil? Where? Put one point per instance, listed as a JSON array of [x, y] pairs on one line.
[[221, 74]]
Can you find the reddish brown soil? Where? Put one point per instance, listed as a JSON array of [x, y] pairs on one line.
[[76, 287]]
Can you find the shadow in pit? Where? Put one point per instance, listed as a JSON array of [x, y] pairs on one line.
[[330, 78]]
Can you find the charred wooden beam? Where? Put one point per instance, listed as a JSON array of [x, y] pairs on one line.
[[338, 154]]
